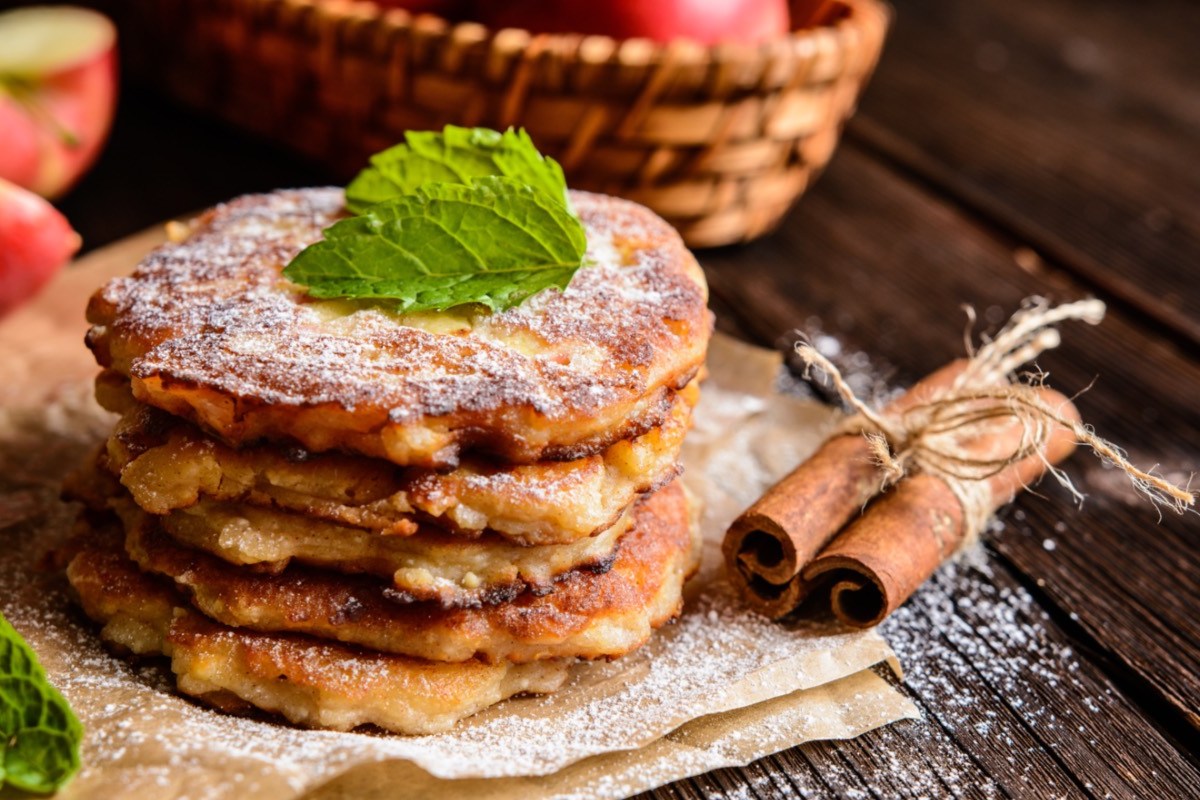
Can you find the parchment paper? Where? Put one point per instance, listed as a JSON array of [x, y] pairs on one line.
[[840, 709], [144, 741]]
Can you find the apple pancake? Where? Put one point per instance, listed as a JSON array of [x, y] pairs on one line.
[[587, 615], [309, 681], [431, 565], [168, 464], [208, 329]]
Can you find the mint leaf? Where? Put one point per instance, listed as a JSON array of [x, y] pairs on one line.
[[495, 242], [456, 155], [39, 734]]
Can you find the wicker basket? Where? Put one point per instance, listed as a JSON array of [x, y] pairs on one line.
[[719, 140]]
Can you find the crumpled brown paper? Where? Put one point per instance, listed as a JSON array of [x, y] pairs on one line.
[[837, 710], [768, 687]]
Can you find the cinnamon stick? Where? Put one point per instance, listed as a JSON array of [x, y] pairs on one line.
[[796, 538], [954, 457], [882, 557], [770, 543]]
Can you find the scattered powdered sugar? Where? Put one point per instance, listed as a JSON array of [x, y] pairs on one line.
[[717, 657], [840, 709], [212, 311], [972, 643], [868, 377], [992, 676]]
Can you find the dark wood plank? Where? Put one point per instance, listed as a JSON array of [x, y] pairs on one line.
[[881, 264], [1069, 713], [1156, 638], [1073, 124], [1011, 710]]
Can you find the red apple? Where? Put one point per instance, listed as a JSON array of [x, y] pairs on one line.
[[35, 240], [706, 21], [58, 88]]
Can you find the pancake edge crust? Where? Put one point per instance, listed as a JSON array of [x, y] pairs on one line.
[[431, 566], [168, 464], [207, 329], [586, 616], [310, 682]]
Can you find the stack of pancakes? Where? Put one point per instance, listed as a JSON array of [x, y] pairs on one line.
[[345, 515]]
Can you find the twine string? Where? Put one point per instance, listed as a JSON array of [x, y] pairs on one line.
[[988, 396]]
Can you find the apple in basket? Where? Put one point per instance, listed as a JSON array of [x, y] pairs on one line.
[[35, 240], [58, 88], [706, 21]]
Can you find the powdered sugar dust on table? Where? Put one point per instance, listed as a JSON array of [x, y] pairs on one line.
[[992, 159]]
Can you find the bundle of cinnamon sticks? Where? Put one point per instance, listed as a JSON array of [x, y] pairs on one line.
[[892, 494], [829, 524]]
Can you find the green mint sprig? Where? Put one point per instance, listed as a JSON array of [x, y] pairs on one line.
[[494, 242], [39, 734], [455, 155], [465, 216]]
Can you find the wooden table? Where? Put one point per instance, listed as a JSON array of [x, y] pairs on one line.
[[1003, 150]]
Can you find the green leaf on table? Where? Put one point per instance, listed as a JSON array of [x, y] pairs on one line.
[[495, 241], [39, 734], [455, 155]]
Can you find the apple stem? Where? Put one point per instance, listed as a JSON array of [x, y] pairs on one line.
[[22, 92]]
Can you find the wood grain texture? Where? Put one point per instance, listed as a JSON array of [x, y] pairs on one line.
[[895, 294], [1003, 150], [1071, 124], [1002, 689], [1011, 709]]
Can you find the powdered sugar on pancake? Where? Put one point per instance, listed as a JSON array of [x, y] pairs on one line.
[[214, 310], [213, 314]]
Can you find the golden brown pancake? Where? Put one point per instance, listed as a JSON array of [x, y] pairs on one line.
[[429, 565], [168, 464], [587, 615], [135, 608], [309, 681], [208, 329]]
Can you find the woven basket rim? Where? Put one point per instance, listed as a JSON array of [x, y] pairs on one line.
[[648, 53], [719, 139]]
